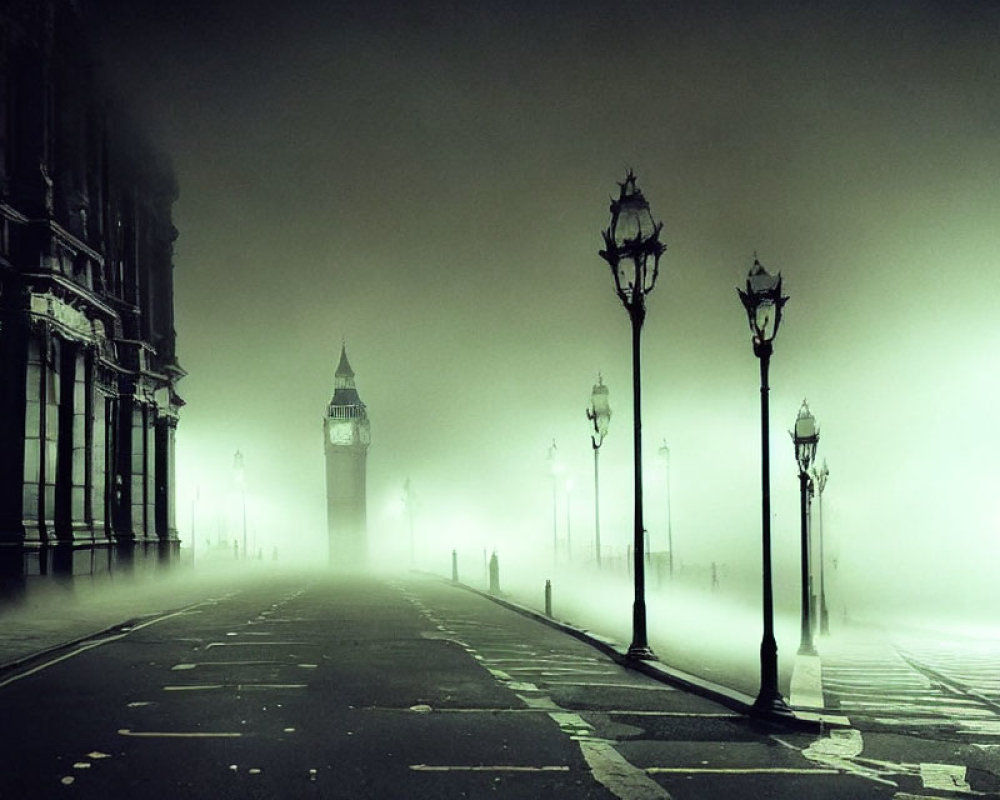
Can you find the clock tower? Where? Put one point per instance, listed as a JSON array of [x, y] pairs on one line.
[[345, 441]]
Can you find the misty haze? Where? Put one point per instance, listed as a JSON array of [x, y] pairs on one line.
[[319, 325]]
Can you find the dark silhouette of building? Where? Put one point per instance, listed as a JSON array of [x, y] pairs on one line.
[[346, 439], [88, 405]]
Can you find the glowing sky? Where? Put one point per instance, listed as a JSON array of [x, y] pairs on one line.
[[429, 181]]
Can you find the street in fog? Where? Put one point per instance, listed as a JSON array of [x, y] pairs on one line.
[[450, 400], [307, 685], [430, 182]]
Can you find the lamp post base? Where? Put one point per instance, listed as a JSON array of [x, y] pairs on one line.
[[807, 649], [641, 652], [771, 705]]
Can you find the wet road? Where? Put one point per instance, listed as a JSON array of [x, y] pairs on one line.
[[410, 688]]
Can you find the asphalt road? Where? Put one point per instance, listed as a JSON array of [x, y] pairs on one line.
[[338, 688]]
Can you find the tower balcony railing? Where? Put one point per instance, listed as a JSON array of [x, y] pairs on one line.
[[344, 412]]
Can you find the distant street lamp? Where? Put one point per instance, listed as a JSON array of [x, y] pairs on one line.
[[665, 455], [819, 477], [241, 483], [632, 248], [569, 534], [806, 438], [194, 535], [599, 414], [763, 302], [554, 470]]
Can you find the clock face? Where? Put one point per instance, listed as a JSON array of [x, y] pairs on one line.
[[341, 433]]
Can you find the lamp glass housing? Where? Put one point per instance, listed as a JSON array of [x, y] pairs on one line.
[[763, 302], [631, 240], [600, 410], [806, 438]]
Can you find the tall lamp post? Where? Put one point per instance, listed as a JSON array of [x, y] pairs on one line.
[[819, 477], [806, 438], [632, 248], [665, 455], [763, 302], [554, 471], [241, 483], [599, 414]]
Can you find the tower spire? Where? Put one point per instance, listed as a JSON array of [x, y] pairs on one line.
[[344, 367]]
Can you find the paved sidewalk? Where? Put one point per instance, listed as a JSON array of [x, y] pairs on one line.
[[709, 644], [54, 615]]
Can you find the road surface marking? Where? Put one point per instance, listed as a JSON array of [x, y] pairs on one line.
[[251, 644], [234, 664], [691, 714], [950, 777], [485, 768], [522, 686], [240, 687], [583, 669], [180, 734], [742, 771], [466, 710], [588, 684], [617, 775]]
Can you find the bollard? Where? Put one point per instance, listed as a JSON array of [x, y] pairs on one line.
[[494, 574], [454, 566], [548, 598]]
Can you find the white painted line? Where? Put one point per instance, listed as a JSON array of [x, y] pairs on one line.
[[599, 685], [951, 777], [179, 734], [741, 771], [252, 644], [228, 664], [692, 714], [522, 686], [903, 698], [567, 719], [194, 688], [553, 669], [485, 768], [617, 775], [240, 687]]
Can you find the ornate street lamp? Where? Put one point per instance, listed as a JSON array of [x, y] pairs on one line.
[[819, 478], [763, 302], [599, 414], [806, 438], [632, 248]]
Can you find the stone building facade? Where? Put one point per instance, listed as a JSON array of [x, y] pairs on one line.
[[88, 372]]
